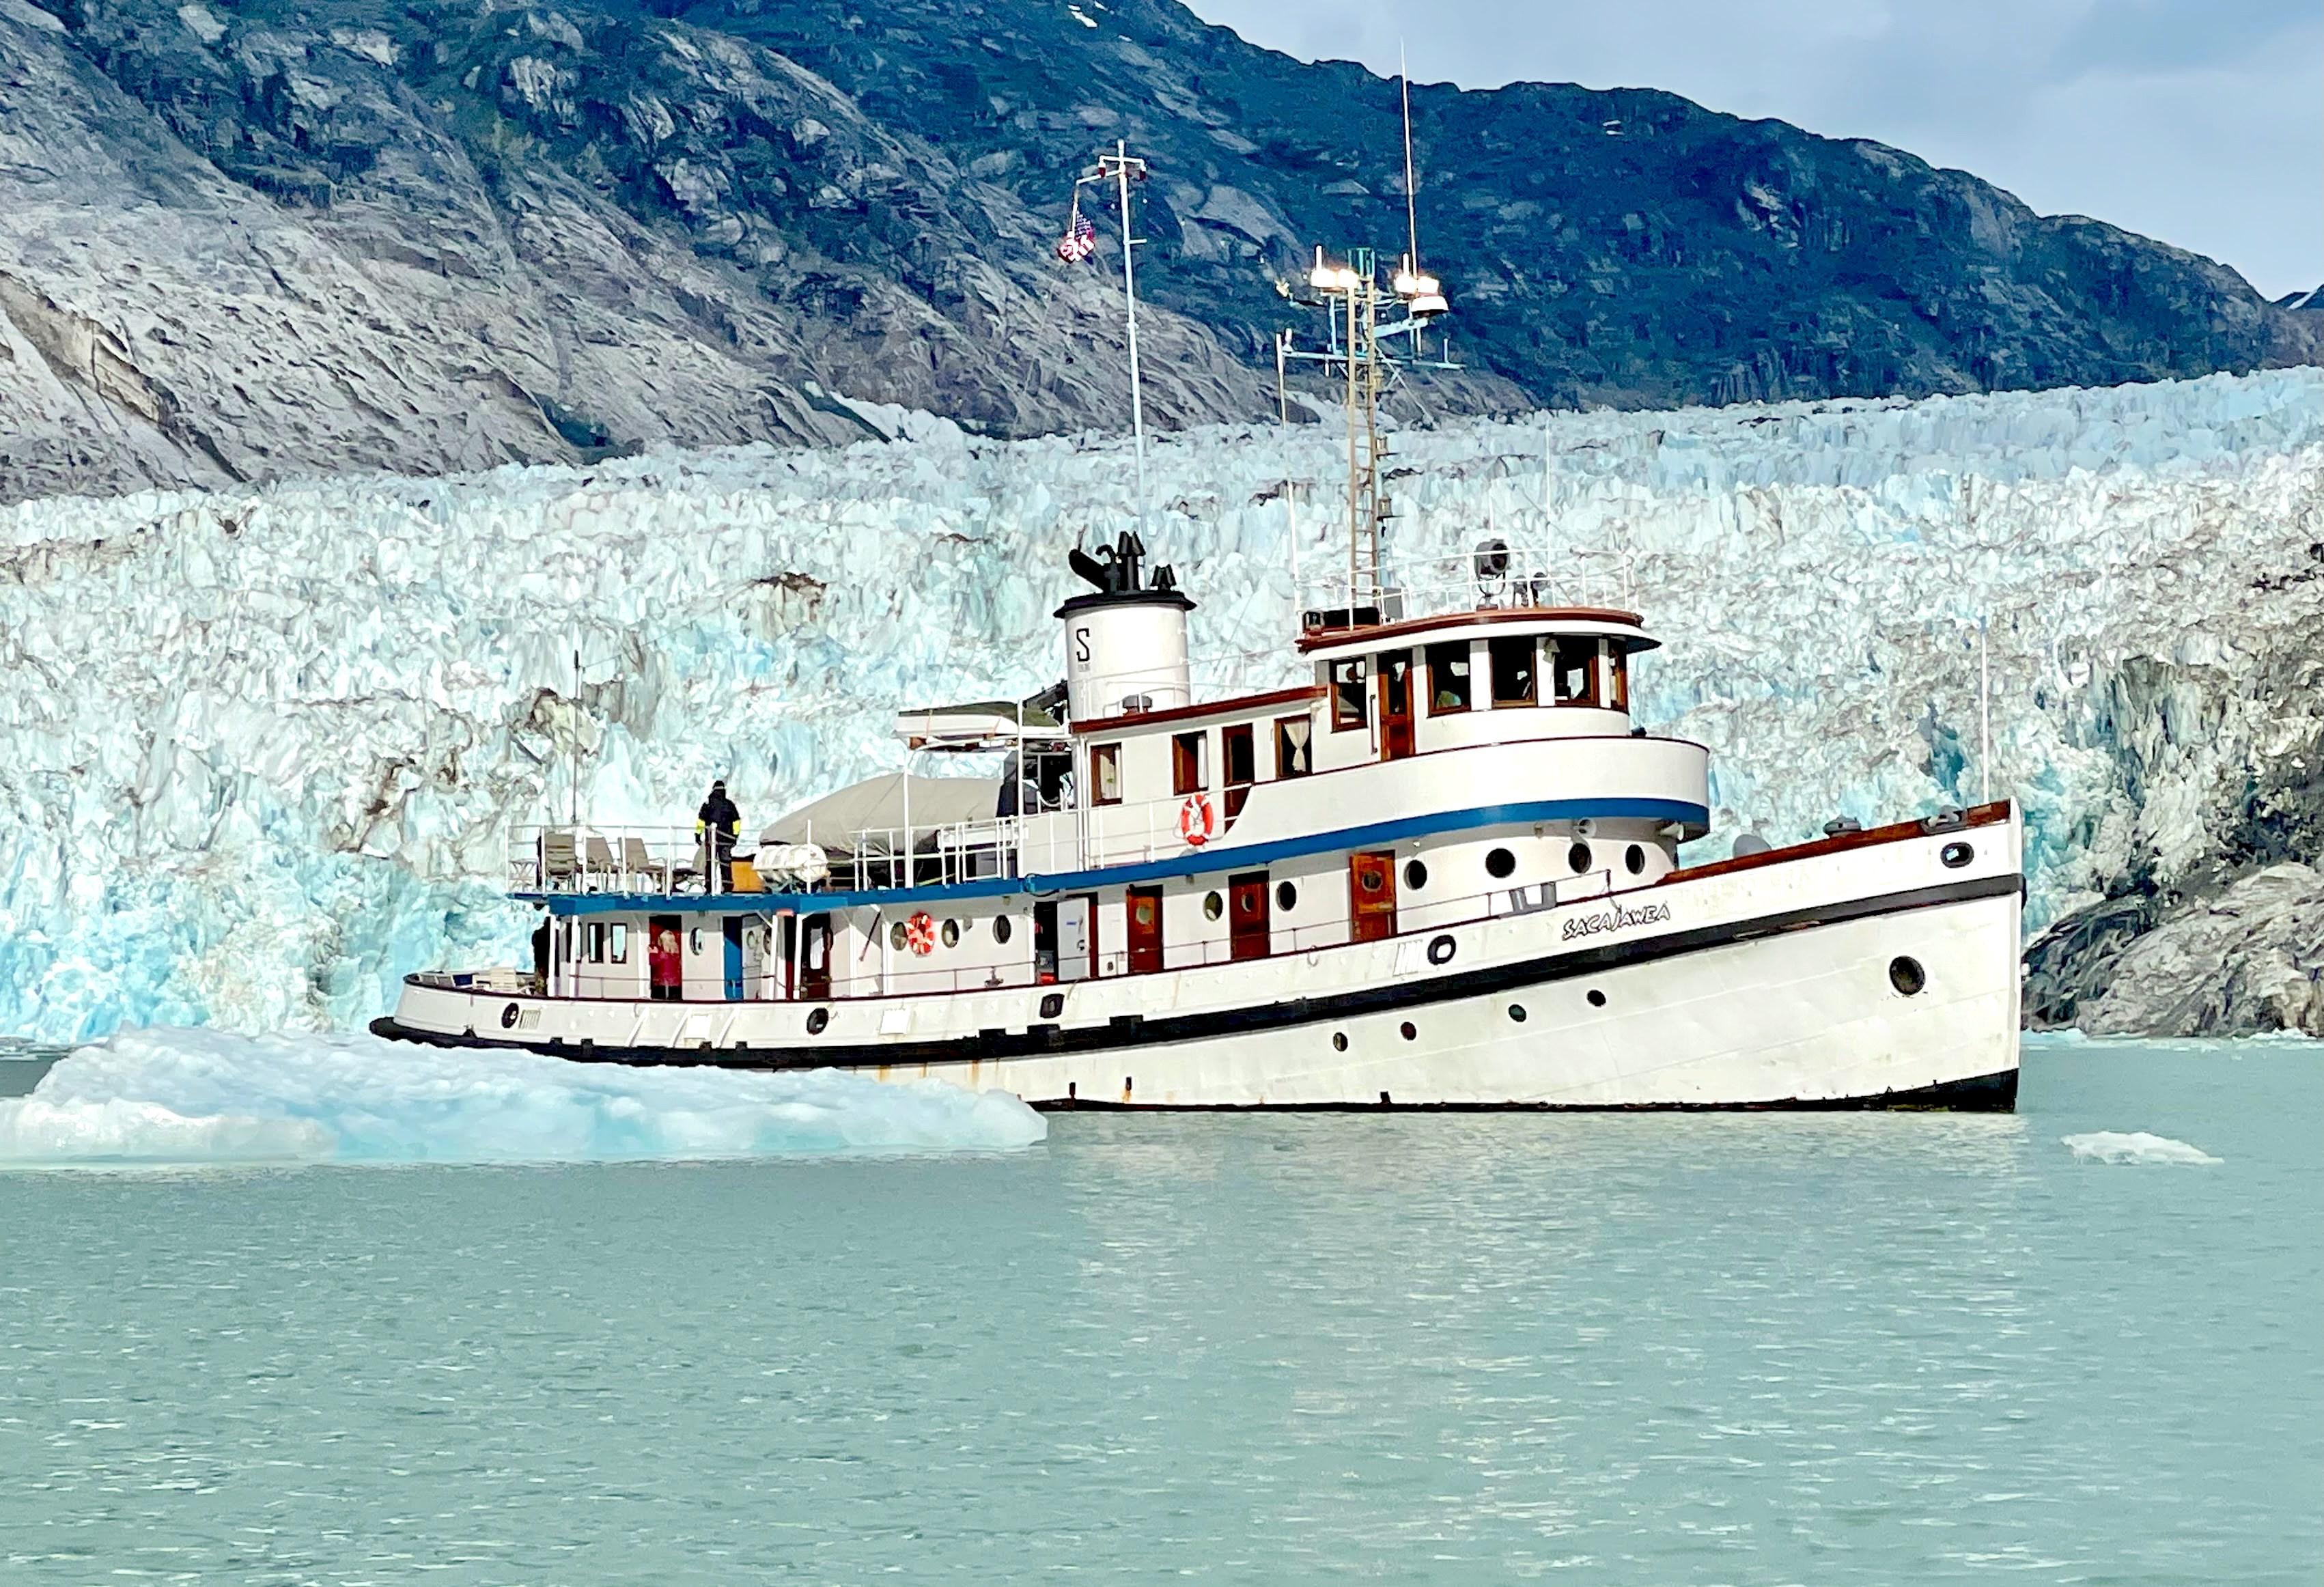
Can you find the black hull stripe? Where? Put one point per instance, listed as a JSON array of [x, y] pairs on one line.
[[1131, 1032], [1982, 1094]]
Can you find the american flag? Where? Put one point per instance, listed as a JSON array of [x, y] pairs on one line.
[[1080, 240]]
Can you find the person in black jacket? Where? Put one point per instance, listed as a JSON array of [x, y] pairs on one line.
[[718, 824]]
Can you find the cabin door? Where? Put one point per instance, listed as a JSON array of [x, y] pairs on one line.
[[785, 976], [664, 963], [1371, 891], [1395, 704], [815, 958], [731, 929], [1144, 905], [1248, 930]]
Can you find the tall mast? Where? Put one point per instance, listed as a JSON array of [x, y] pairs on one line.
[[1118, 167], [1411, 196]]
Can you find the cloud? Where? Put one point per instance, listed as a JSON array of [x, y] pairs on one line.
[[2197, 122]]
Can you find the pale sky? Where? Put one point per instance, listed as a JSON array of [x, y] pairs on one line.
[[2197, 122]]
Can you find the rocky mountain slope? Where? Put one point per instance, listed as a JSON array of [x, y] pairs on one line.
[[247, 241]]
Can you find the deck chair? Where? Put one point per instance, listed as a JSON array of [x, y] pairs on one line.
[[642, 866], [597, 861], [557, 861]]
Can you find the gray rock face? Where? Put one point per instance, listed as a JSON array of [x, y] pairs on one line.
[[285, 259], [264, 239], [2248, 960]]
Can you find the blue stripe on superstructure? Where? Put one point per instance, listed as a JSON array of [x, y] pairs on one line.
[[1192, 862]]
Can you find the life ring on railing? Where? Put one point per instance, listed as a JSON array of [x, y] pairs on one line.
[[1198, 819], [920, 934]]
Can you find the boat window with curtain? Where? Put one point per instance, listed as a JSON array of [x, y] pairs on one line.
[[1576, 671]]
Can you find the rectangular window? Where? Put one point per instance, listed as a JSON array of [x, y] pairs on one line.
[[1350, 709], [1618, 679], [1291, 734], [621, 933], [1448, 678], [1577, 671], [1105, 774], [1513, 665], [597, 942], [1240, 759], [1189, 772]]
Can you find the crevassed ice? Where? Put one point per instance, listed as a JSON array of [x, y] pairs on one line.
[[190, 1096], [258, 748]]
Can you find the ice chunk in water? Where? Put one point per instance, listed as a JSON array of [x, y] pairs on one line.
[[208, 1096], [2113, 1146]]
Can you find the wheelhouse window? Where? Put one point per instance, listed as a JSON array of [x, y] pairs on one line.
[[1513, 671], [1394, 671], [597, 942], [1189, 770], [1105, 774], [1448, 678], [1576, 672], [1239, 756], [620, 931], [1350, 709], [1618, 679], [1291, 736]]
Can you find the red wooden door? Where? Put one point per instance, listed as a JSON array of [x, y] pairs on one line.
[[1371, 893], [1145, 908], [1395, 704], [1248, 932]]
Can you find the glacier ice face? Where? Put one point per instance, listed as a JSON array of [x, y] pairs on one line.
[[211, 1096], [259, 748]]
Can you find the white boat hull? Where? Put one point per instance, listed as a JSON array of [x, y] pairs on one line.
[[1780, 984]]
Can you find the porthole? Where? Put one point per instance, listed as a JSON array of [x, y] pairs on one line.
[[1500, 862], [952, 934], [1633, 860], [1415, 875], [1516, 1014], [508, 1017], [816, 1019], [1408, 1031], [1370, 880], [1285, 895], [698, 942], [1577, 858], [1338, 1041], [1053, 1005], [1213, 906], [1906, 974], [1001, 929], [1956, 854], [1442, 948], [896, 938], [1597, 998]]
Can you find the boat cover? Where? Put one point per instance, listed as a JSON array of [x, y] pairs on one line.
[[875, 808]]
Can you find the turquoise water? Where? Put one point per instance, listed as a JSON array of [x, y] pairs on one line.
[[1651, 1349]]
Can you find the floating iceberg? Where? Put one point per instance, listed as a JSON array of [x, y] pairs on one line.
[[208, 1096], [260, 748], [2111, 1145]]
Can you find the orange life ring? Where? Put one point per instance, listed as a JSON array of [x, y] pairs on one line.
[[920, 934], [1198, 820]]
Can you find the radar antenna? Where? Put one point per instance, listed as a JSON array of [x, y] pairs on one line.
[[1355, 303]]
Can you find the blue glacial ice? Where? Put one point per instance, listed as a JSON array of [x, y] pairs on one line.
[[260, 747], [198, 1096]]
